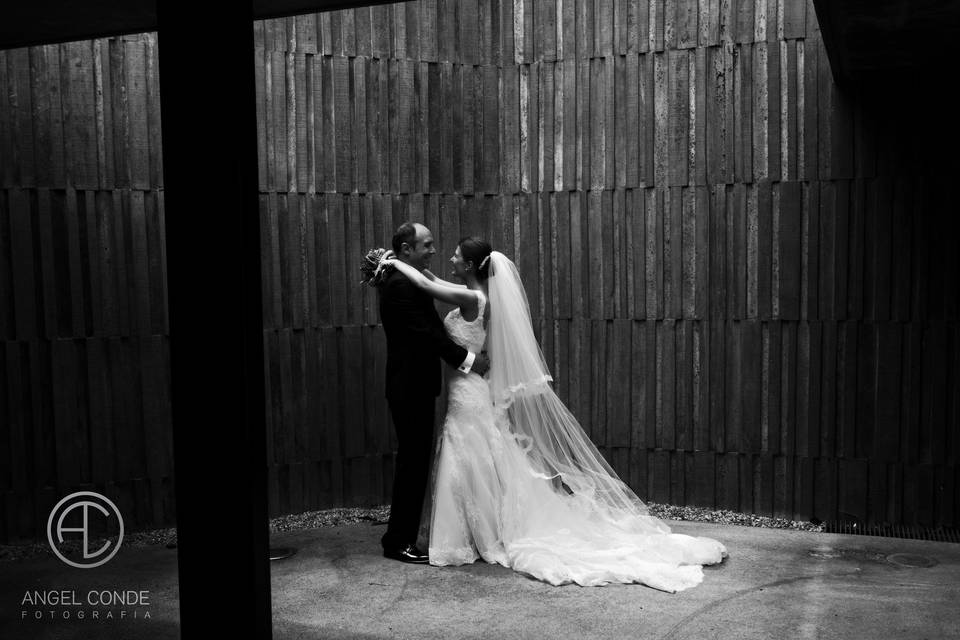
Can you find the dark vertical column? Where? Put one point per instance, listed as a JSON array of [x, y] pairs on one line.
[[208, 109]]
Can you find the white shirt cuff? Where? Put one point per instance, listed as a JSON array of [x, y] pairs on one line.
[[467, 364]]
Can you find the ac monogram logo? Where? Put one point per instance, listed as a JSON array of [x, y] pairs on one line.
[[68, 505]]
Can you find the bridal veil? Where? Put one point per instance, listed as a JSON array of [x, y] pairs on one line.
[[526, 405]]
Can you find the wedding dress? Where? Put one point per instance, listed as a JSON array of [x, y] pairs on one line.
[[517, 481]]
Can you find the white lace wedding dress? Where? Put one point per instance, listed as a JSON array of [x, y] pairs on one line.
[[489, 501]]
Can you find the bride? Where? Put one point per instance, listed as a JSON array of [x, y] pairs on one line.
[[517, 481]]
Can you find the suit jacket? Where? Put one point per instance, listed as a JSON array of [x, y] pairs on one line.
[[416, 339]]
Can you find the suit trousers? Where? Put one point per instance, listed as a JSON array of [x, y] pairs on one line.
[[413, 418]]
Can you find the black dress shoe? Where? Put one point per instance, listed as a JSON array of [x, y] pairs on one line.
[[408, 553]]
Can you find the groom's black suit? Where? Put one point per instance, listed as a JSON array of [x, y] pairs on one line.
[[416, 341]]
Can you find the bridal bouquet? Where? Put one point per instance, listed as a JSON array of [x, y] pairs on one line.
[[373, 270]]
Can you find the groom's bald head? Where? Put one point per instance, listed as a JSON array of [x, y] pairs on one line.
[[413, 243], [405, 233]]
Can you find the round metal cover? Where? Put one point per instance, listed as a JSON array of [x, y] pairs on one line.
[[279, 553], [911, 560]]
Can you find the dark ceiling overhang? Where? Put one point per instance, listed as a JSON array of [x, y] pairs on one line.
[[871, 41]]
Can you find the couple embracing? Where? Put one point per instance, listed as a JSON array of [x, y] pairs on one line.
[[515, 481]]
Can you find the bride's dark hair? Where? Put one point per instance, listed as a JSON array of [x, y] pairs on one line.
[[477, 251]]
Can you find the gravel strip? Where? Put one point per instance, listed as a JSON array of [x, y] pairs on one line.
[[329, 518], [137, 539], [699, 514], [377, 515]]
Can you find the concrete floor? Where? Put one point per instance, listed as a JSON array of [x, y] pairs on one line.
[[775, 584]]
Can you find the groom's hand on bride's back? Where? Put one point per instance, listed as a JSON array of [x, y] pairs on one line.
[[481, 364]]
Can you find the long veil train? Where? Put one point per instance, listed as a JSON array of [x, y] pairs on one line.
[[519, 482], [525, 402]]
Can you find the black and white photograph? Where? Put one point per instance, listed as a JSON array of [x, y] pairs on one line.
[[463, 319]]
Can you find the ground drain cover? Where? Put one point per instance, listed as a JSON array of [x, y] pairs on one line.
[[911, 560], [826, 552], [279, 553]]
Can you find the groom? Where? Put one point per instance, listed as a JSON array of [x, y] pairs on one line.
[[416, 341]]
